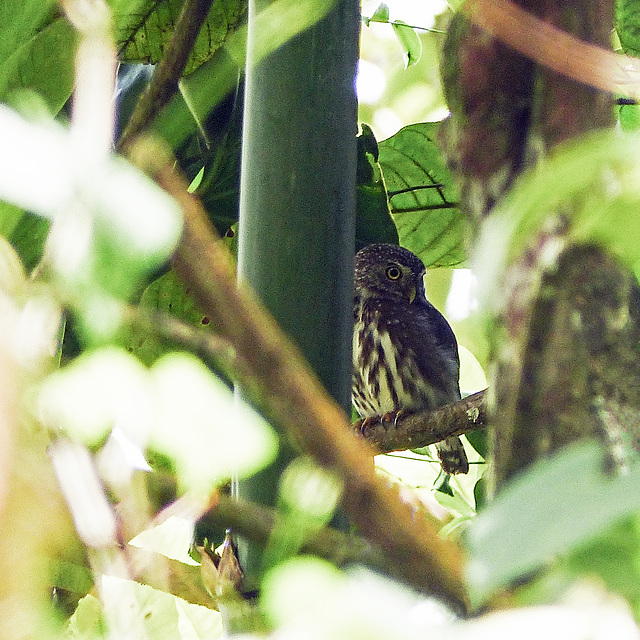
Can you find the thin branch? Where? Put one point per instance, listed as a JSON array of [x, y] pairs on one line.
[[199, 340], [256, 522], [367, 21], [416, 430], [294, 399], [164, 83]]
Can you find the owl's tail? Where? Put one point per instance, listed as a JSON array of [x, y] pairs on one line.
[[452, 455]]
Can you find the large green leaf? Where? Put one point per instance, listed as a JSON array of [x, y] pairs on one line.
[[212, 81], [373, 217], [44, 64], [558, 505], [19, 22], [166, 294], [144, 34], [35, 52], [422, 195]]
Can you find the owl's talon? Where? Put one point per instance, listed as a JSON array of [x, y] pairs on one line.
[[362, 425], [390, 416]]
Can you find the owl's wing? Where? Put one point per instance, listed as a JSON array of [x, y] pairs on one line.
[[436, 350]]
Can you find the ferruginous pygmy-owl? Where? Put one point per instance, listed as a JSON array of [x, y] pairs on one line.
[[405, 354]]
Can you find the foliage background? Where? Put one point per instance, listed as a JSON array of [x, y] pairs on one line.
[[115, 549]]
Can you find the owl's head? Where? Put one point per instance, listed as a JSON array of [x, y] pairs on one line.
[[390, 272]]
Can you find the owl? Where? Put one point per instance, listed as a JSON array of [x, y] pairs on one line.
[[405, 355]]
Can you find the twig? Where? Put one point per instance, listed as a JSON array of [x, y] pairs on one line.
[[199, 340], [416, 430], [367, 21], [555, 48], [294, 399], [164, 82], [256, 522]]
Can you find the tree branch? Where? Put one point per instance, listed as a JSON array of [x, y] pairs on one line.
[[421, 429], [256, 522], [294, 399], [164, 82], [556, 48]]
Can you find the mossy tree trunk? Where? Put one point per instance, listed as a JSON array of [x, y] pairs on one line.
[[564, 345]]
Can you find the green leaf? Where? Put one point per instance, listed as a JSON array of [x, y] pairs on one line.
[[373, 219], [44, 64], [20, 22], [428, 220], [143, 35], [10, 217], [574, 181], [381, 14], [29, 237], [172, 538], [409, 41], [478, 440], [12, 276], [546, 511], [212, 81], [169, 295], [627, 21], [629, 117]]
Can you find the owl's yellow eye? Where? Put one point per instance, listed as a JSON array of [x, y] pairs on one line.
[[393, 273]]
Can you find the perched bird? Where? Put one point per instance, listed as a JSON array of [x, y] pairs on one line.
[[405, 354]]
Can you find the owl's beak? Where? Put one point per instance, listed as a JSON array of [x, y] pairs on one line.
[[412, 294]]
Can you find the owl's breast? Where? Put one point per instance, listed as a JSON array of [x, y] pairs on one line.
[[386, 375]]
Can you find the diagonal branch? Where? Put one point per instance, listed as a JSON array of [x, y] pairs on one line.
[[164, 82], [556, 48]]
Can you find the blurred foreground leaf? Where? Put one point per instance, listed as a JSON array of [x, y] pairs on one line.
[[556, 506], [597, 176], [178, 408]]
